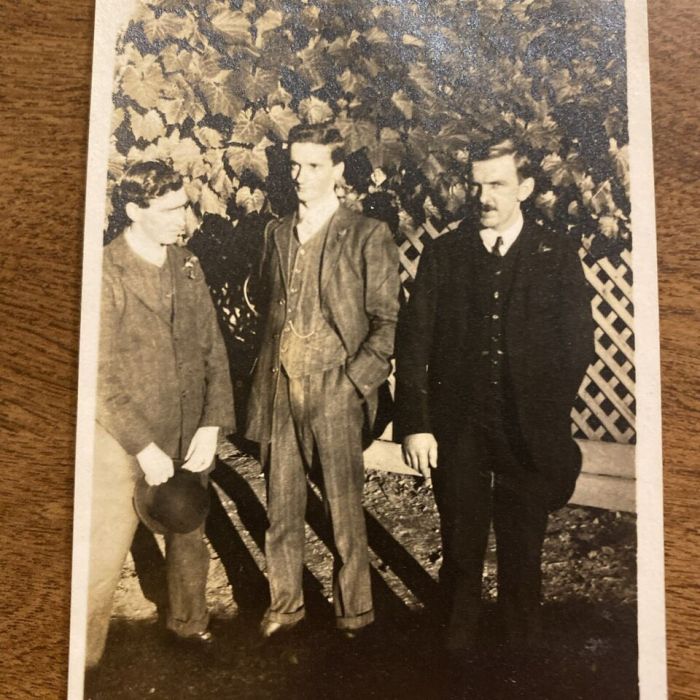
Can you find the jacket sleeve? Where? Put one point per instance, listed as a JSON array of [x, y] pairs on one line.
[[370, 365], [218, 397], [116, 412], [576, 317], [414, 345]]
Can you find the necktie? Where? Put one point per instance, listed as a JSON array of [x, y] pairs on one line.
[[496, 250]]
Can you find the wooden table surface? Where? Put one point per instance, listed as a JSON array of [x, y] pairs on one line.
[[44, 101]]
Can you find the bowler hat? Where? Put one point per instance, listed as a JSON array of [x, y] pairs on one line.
[[179, 505]]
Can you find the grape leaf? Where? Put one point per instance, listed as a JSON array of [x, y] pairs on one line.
[[211, 203], [208, 137], [283, 119], [167, 26], [315, 111], [267, 22], [233, 26], [315, 64], [148, 126], [253, 159], [143, 82], [251, 128], [389, 149], [219, 98], [357, 133], [351, 82], [260, 84]]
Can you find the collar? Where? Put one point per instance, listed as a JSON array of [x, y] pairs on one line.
[[509, 236]]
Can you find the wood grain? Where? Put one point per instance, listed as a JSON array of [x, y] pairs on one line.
[[44, 100]]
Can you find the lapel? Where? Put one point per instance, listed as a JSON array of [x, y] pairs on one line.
[[336, 235], [130, 266], [529, 263], [282, 236]]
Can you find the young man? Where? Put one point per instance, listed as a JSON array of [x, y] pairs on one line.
[[163, 393], [331, 290], [490, 354]]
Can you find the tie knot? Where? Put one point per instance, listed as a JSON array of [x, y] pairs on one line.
[[496, 250]]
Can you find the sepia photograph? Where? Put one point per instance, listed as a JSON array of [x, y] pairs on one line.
[[369, 390]]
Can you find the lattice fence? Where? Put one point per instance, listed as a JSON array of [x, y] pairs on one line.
[[605, 406]]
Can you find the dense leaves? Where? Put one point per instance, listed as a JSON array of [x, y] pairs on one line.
[[216, 85]]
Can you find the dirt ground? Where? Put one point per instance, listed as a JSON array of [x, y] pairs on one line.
[[589, 610]]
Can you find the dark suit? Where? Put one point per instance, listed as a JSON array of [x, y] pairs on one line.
[[318, 417], [504, 439]]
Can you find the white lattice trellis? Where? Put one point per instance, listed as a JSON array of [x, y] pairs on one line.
[[605, 407]]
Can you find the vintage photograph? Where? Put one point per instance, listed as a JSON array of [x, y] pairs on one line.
[[359, 397]]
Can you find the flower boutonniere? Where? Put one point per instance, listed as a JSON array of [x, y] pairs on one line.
[[190, 267]]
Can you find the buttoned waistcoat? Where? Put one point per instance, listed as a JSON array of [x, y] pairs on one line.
[[161, 375], [359, 290]]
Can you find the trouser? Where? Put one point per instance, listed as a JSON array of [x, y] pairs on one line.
[[113, 523], [479, 479], [317, 421]]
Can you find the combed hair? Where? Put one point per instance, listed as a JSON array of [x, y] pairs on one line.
[[498, 146], [140, 183], [324, 134]]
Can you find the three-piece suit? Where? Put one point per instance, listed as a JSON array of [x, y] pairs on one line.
[[491, 351], [162, 374], [331, 307]]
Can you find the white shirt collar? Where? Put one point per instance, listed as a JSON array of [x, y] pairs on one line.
[[509, 236], [311, 219]]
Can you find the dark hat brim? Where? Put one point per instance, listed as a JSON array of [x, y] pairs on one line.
[[143, 500]]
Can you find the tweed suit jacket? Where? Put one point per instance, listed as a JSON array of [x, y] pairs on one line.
[[548, 335], [160, 376], [359, 288]]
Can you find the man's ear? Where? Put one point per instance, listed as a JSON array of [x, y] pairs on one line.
[[338, 170], [526, 188], [133, 211]]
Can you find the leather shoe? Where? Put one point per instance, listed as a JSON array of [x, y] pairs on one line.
[[199, 640], [270, 630]]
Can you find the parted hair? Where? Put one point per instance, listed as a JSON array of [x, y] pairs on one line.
[[503, 144], [324, 134], [140, 183]]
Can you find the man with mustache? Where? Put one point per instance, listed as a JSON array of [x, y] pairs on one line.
[[490, 354], [331, 291]]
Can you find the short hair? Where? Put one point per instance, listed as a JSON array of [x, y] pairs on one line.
[[140, 183], [324, 134], [500, 145]]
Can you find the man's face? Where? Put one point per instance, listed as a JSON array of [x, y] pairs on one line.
[[163, 220], [313, 171], [498, 190]]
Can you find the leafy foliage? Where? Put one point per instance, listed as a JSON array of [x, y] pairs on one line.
[[215, 85]]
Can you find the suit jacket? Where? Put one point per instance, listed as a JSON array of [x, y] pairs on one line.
[[548, 335], [359, 290], [160, 376]]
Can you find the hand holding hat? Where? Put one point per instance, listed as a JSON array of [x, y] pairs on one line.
[[157, 467], [202, 449]]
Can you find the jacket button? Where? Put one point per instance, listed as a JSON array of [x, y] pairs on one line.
[[281, 302], [274, 370]]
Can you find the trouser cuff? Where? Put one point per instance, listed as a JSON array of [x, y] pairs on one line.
[[284, 618], [355, 622]]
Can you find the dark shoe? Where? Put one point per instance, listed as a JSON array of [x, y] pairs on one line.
[[354, 636]]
